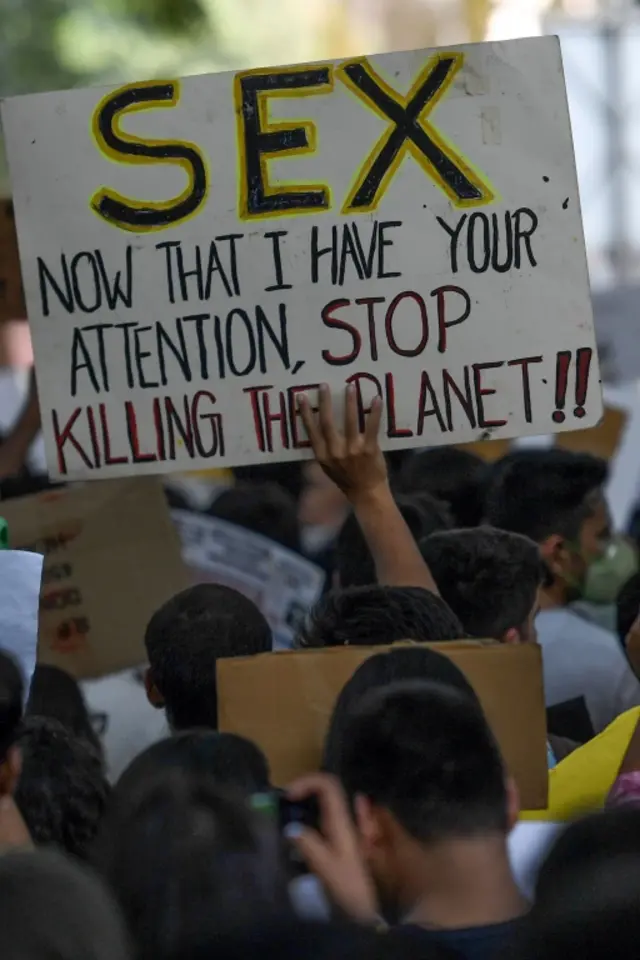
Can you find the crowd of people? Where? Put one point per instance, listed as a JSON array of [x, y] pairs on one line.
[[398, 846]]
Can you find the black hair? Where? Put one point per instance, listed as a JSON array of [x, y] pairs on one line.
[[288, 476], [424, 751], [263, 508], [381, 670], [354, 563], [62, 791], [455, 476], [543, 492], [628, 606], [11, 698], [488, 577], [185, 638], [376, 615], [52, 907], [587, 844], [56, 694], [232, 762], [186, 862]]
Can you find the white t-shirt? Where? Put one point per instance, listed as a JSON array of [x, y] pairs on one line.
[[131, 724], [580, 659]]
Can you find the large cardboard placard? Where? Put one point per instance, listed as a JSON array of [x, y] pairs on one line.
[[197, 253], [283, 701], [281, 583], [112, 557]]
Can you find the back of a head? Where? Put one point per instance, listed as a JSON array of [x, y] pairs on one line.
[[353, 560], [628, 606], [233, 763], [381, 670], [185, 638], [54, 693], [375, 615], [263, 508], [186, 861], [587, 846], [456, 477], [53, 908], [62, 792], [424, 752], [594, 916], [489, 578], [543, 492]]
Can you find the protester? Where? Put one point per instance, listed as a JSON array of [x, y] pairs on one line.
[[491, 579], [185, 638], [187, 863], [628, 620], [433, 808], [232, 762], [556, 498], [454, 476], [354, 565], [263, 508], [13, 830], [15, 446], [54, 693], [52, 909], [377, 615], [62, 792], [380, 670]]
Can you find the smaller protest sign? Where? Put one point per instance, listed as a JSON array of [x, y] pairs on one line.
[[111, 558], [282, 584], [12, 305], [20, 577]]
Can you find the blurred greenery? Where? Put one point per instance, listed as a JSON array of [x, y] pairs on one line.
[[56, 44]]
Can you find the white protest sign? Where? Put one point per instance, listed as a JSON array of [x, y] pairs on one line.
[[196, 253], [282, 584]]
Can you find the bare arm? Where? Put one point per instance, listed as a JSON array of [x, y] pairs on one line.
[[355, 462]]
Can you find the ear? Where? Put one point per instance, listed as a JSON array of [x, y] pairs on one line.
[[10, 770], [511, 636], [367, 823], [513, 803], [552, 551], [154, 696]]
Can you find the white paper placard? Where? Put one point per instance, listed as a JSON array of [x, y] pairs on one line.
[[20, 579], [197, 252], [282, 584]]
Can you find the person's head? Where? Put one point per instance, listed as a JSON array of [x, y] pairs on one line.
[[628, 606], [381, 670], [51, 908], [321, 510], [454, 476], [56, 694], [62, 792], [232, 762], [588, 844], [374, 615], [423, 772], [490, 578], [11, 698], [263, 508], [185, 638], [186, 861], [354, 564], [556, 498]]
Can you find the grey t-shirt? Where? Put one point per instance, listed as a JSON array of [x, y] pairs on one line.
[[580, 659]]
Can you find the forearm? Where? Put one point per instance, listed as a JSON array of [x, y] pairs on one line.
[[397, 559]]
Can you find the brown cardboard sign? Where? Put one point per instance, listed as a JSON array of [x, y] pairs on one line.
[[12, 303], [283, 702], [112, 557]]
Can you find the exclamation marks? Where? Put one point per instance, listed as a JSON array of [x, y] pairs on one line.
[[583, 365]]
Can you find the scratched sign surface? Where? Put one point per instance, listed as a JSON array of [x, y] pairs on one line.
[[196, 253]]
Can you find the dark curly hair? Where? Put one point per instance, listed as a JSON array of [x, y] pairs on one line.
[[62, 792]]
